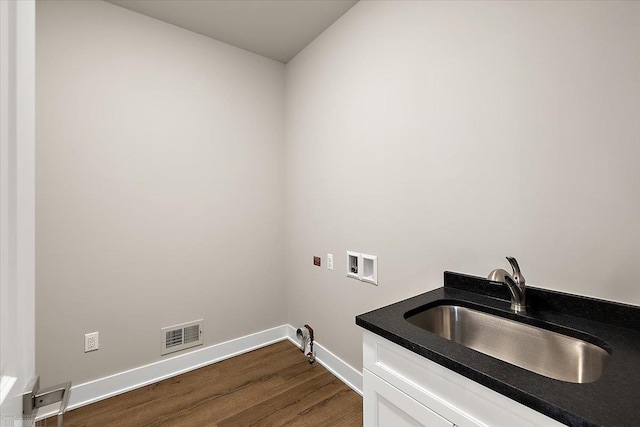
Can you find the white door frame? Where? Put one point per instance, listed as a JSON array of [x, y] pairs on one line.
[[17, 206]]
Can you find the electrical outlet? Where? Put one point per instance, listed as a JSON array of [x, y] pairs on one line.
[[317, 261], [90, 342], [330, 261]]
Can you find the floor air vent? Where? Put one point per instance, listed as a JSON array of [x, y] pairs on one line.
[[179, 337]]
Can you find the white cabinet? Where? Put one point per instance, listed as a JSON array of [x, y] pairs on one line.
[[402, 388]]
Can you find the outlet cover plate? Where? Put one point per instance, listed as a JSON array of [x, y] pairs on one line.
[[91, 342]]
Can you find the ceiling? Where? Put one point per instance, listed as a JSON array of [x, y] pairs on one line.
[[277, 29]]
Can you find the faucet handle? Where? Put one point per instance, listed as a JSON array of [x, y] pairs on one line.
[[517, 274]]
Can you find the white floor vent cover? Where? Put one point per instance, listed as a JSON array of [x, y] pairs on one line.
[[179, 337]]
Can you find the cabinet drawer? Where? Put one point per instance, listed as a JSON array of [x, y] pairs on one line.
[[386, 406], [455, 397]]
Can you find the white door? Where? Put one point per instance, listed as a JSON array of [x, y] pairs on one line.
[[17, 226]]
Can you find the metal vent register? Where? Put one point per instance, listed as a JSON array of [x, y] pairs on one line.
[[179, 337]]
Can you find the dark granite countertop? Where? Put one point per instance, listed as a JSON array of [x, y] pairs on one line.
[[612, 400]]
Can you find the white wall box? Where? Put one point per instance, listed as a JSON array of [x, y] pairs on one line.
[[362, 267], [411, 390], [353, 264], [369, 269]]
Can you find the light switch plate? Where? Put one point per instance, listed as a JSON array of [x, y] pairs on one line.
[[330, 261]]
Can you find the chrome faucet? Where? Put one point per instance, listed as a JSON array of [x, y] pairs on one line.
[[514, 282]]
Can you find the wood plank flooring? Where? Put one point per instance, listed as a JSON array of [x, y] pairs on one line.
[[271, 386]]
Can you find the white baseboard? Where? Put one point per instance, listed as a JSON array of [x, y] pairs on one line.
[[103, 388], [338, 367]]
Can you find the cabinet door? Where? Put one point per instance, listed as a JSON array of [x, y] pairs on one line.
[[386, 406]]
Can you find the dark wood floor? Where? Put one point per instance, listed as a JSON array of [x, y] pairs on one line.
[[272, 386]]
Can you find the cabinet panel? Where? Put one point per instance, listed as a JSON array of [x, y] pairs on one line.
[[386, 406], [455, 397]]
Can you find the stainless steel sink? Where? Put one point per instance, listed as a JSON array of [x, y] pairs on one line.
[[544, 352]]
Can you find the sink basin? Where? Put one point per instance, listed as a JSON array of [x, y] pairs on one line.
[[544, 352]]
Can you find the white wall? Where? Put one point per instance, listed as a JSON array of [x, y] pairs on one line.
[[159, 188], [436, 135], [447, 135]]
